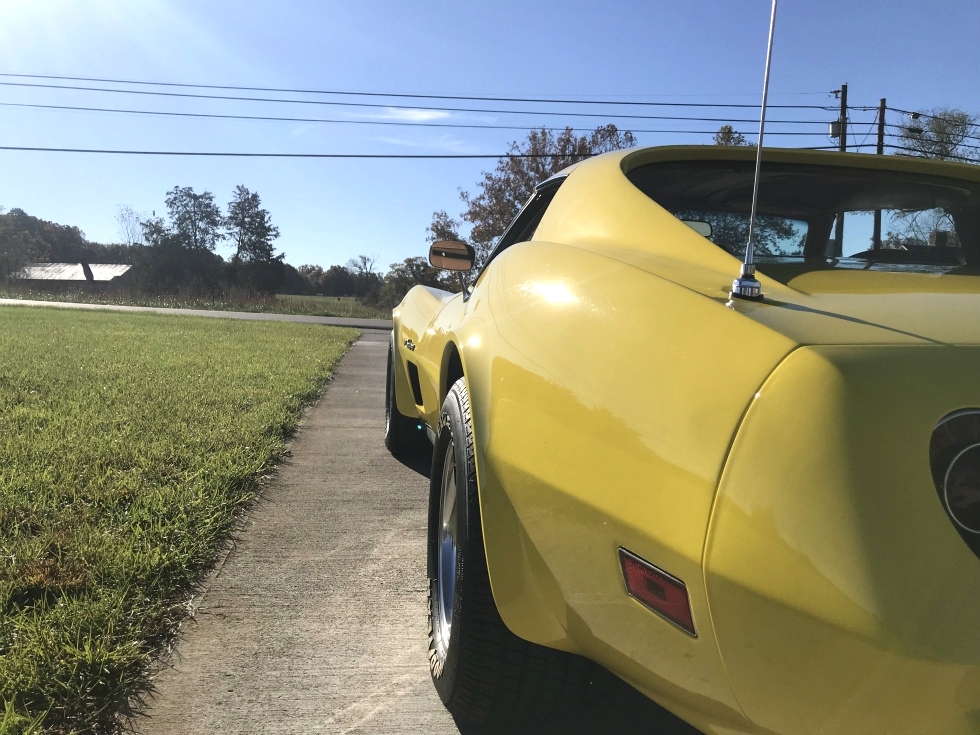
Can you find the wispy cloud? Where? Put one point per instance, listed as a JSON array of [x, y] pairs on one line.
[[411, 115], [446, 143]]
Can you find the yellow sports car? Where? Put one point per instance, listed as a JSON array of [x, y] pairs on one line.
[[764, 514]]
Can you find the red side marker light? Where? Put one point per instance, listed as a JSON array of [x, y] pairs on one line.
[[664, 594]]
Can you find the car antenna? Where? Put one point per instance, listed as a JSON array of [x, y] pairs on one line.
[[747, 286]]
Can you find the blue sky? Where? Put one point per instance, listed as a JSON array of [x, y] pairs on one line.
[[919, 55]]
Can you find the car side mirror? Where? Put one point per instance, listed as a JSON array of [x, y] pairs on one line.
[[451, 255]]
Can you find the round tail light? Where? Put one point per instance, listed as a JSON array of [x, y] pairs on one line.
[[954, 455]]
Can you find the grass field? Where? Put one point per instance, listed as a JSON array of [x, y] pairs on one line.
[[342, 306], [129, 444], [331, 306]]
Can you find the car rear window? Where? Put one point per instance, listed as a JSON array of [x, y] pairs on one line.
[[822, 212]]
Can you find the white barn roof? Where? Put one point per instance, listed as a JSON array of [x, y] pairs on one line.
[[71, 271]]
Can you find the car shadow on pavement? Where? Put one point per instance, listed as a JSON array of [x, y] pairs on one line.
[[420, 464], [611, 707]]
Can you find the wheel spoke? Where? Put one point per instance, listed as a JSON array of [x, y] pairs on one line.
[[448, 528]]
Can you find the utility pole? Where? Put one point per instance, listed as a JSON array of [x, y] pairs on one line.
[[876, 237], [843, 118], [839, 229]]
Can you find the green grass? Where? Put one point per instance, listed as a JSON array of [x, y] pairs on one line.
[[331, 306], [130, 443], [339, 306]]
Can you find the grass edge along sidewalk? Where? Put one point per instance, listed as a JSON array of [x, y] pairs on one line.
[[347, 307], [130, 445]]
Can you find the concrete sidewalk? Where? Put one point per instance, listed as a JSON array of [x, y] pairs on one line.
[[315, 622], [332, 321]]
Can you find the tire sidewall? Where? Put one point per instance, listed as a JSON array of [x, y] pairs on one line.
[[452, 437], [390, 393]]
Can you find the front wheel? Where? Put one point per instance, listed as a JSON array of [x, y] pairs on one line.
[[485, 675]]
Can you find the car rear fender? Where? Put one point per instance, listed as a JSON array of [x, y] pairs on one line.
[[604, 402], [841, 595]]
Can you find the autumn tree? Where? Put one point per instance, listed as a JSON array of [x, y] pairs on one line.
[[443, 227], [503, 191], [727, 135], [249, 228], [940, 134]]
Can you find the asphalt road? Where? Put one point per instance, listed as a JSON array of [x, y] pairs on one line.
[[333, 321], [314, 621]]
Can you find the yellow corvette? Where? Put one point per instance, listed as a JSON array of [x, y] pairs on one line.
[[762, 514]]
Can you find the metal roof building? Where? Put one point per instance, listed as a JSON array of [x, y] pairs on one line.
[[72, 271]]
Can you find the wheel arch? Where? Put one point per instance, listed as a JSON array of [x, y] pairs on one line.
[[452, 369]]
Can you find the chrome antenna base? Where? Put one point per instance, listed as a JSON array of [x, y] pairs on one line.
[[746, 286]]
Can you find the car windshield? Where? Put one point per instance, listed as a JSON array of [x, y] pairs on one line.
[[848, 216]]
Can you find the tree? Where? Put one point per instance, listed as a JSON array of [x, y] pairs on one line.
[[62, 243], [171, 266], [129, 225], [337, 281], [730, 230], [249, 228], [505, 190], [410, 272], [312, 276], [940, 134], [362, 264], [443, 227], [19, 246], [157, 233], [726, 135], [194, 218]]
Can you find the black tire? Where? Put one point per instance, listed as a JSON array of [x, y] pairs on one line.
[[405, 438], [485, 675]]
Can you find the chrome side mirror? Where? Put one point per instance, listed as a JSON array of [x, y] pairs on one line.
[[451, 255]]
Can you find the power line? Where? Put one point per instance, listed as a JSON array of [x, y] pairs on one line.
[[405, 156], [334, 103], [402, 123], [964, 159], [925, 115], [904, 128], [870, 130], [283, 155], [405, 95]]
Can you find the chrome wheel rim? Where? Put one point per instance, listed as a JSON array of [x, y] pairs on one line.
[[448, 526]]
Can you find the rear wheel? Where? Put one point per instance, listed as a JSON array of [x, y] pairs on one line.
[[485, 675], [404, 437]]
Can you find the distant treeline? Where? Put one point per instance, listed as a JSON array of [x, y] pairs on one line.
[[168, 266]]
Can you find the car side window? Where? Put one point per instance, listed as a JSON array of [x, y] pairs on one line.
[[524, 225]]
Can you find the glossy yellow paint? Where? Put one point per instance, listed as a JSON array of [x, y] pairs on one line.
[[842, 597], [609, 377]]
